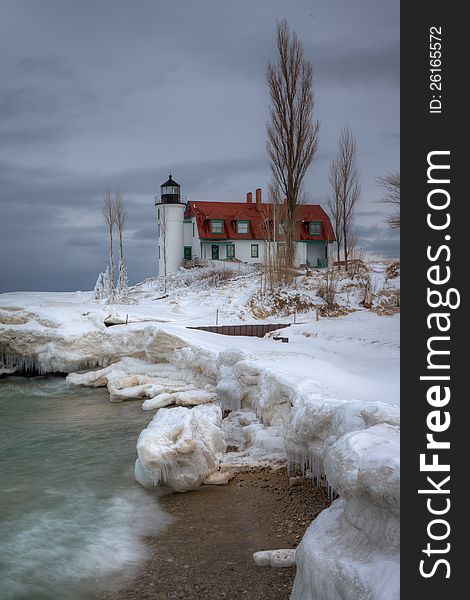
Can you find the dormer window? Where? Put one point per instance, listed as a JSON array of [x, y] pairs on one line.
[[217, 226], [243, 226], [314, 228]]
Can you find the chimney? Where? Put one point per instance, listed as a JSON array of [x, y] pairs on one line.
[[258, 198], [249, 197]]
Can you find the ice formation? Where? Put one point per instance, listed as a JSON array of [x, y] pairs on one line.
[[325, 400], [180, 447], [231, 393], [319, 420], [275, 558], [219, 478], [351, 550], [160, 384]]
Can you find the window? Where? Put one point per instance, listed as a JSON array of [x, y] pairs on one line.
[[159, 253], [194, 229], [169, 189], [281, 248], [243, 226], [281, 228], [254, 251], [217, 226], [231, 251], [314, 228], [187, 252], [158, 214]]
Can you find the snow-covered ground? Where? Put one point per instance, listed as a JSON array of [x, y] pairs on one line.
[[327, 401]]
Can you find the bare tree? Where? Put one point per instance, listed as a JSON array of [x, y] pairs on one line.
[[344, 179], [278, 270], [120, 218], [292, 134], [335, 213], [110, 220], [391, 184]]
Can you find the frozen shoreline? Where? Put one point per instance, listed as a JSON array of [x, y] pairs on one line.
[[326, 401]]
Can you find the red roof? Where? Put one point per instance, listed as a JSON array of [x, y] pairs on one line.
[[231, 212]]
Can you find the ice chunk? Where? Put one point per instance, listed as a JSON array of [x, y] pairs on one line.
[[275, 558], [189, 397], [180, 447], [367, 464], [351, 551], [219, 478], [337, 559]]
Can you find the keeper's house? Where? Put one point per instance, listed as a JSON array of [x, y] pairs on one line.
[[235, 231]]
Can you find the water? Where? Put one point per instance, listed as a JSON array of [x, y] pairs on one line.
[[72, 516]]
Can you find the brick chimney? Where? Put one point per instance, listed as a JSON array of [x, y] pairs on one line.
[[249, 197], [258, 198]]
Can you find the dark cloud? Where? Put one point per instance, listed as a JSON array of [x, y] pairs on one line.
[[368, 213], [113, 94], [144, 233], [51, 66], [343, 67], [379, 241], [85, 241]]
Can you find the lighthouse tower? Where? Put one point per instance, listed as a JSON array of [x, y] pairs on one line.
[[170, 217]]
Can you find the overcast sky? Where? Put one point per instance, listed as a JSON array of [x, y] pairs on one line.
[[99, 94]]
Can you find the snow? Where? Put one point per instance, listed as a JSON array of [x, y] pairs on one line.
[[180, 447], [327, 402]]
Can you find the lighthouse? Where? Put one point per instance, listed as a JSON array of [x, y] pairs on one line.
[[170, 218]]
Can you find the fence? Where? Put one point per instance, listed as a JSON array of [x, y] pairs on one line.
[[248, 330]]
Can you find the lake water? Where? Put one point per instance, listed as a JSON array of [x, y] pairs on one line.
[[72, 516]]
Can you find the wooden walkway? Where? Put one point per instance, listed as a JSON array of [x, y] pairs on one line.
[[251, 330]]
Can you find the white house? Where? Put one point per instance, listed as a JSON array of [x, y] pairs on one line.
[[234, 230]]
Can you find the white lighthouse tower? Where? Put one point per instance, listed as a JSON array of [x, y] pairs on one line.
[[170, 217]]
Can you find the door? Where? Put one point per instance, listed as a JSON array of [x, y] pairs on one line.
[[215, 251], [187, 252]]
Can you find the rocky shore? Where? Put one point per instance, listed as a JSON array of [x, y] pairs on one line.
[[206, 553]]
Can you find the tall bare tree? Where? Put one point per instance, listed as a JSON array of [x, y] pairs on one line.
[[274, 218], [335, 213], [391, 184], [292, 134], [120, 218], [110, 220], [344, 179]]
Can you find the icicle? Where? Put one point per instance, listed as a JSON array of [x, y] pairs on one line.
[[309, 464]]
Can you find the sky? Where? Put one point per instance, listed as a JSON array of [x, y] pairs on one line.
[[113, 94]]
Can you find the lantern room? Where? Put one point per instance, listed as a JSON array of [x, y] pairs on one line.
[[170, 192]]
